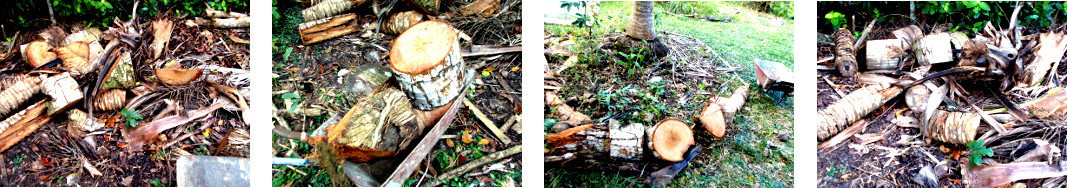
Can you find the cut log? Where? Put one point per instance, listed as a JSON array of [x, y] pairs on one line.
[[327, 28], [76, 58], [952, 127], [427, 64], [64, 91], [83, 121], [378, 126], [721, 110], [13, 96], [909, 34], [852, 107], [846, 53], [328, 8], [38, 53], [670, 139], [112, 99], [885, 54], [29, 120], [933, 49], [600, 140], [401, 21], [224, 23], [88, 36], [1050, 51]]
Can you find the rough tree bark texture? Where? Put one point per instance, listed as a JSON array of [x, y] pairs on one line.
[[378, 126], [846, 53], [327, 28], [642, 21], [63, 89], [852, 107]]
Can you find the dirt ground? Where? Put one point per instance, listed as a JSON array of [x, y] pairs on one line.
[[311, 70]]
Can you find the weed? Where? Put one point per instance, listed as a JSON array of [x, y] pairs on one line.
[[131, 117], [978, 150]]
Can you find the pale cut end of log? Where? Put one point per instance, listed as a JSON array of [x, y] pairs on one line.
[[670, 139], [641, 27], [76, 58], [933, 49], [952, 127], [83, 121], [401, 21], [89, 35], [427, 63], [20, 91], [37, 53], [328, 8], [909, 34], [64, 91], [110, 100], [712, 119], [885, 54]]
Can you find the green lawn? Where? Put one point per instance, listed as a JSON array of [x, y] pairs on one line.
[[750, 155]]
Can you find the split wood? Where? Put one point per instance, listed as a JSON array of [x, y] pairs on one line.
[[503, 138], [475, 164]]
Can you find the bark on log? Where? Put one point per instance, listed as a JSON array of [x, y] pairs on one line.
[[933, 49], [121, 74], [328, 8], [952, 127], [601, 140], [378, 126], [64, 91], [852, 107], [885, 54], [224, 23], [721, 110], [22, 117], [83, 121], [29, 122], [401, 21], [427, 64], [12, 97], [846, 53], [110, 100]]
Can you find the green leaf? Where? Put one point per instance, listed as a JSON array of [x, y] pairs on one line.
[[288, 51], [984, 6], [289, 96]]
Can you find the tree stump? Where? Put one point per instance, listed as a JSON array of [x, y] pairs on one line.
[[401, 21], [378, 126], [885, 54], [670, 139], [846, 53], [427, 64]]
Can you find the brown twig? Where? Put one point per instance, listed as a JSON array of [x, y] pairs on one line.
[[475, 164]]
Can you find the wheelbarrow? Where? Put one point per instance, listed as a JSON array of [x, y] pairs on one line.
[[774, 76]]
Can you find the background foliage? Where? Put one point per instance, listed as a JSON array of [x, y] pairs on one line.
[[33, 14], [963, 15]]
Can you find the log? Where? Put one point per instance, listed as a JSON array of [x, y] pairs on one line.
[[328, 8], [952, 127], [30, 120], [427, 64], [64, 91], [83, 121], [378, 126], [224, 23], [852, 107], [885, 54], [670, 139], [88, 36], [21, 117], [110, 100], [38, 53], [721, 110], [933, 49], [846, 53], [601, 140], [327, 28], [401, 21], [120, 75], [76, 58], [909, 34], [12, 97]]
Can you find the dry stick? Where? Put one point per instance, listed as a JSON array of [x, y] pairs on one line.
[[833, 87], [989, 119], [479, 50], [856, 127], [507, 92], [859, 42], [488, 124], [203, 125], [475, 164]]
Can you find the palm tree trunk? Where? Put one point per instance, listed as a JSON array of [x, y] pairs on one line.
[[641, 21]]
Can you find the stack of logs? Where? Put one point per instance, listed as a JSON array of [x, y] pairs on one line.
[[330, 18]]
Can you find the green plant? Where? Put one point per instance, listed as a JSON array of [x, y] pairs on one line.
[[978, 150], [295, 100], [633, 61], [131, 117], [156, 183], [581, 19], [836, 19]]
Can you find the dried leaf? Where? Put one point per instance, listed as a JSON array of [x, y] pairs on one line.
[[483, 142], [466, 135], [177, 77]]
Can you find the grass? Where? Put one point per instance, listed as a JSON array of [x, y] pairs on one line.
[[749, 155]]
